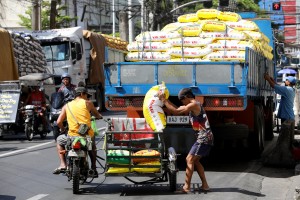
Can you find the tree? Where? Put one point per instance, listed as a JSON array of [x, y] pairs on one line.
[[61, 20]]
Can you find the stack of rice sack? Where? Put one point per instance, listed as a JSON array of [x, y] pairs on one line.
[[123, 164], [28, 54], [208, 35]]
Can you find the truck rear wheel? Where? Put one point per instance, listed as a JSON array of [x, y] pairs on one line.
[[269, 135], [256, 137]]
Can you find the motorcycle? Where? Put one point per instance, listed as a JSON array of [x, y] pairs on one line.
[[57, 102], [34, 122], [78, 169]]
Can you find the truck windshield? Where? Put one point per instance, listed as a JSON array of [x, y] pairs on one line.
[[56, 51]]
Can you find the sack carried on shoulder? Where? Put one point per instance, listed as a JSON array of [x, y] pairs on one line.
[[83, 129]]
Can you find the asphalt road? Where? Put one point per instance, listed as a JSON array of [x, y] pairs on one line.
[[26, 174]]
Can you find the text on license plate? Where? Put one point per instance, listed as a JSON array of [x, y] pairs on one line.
[[177, 119]]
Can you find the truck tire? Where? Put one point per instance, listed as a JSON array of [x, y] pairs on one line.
[[256, 137], [269, 126]]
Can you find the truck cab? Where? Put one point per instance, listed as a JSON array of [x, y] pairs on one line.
[[64, 52]]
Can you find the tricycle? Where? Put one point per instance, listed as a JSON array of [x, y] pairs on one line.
[[133, 150]]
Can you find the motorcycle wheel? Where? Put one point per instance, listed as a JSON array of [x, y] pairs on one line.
[[76, 177], [55, 131], [43, 134], [28, 132]]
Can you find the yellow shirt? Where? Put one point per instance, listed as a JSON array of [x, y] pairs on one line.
[[82, 115]]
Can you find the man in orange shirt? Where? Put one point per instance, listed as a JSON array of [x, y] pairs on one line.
[[81, 108]]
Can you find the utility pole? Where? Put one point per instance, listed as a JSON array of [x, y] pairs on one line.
[[113, 18], [35, 23], [75, 11], [53, 14], [123, 25], [130, 22]]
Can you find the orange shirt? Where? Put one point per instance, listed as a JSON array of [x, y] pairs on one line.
[[82, 115]]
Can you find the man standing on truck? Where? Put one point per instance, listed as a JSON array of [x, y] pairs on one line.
[[200, 124], [80, 108], [287, 92], [68, 89]]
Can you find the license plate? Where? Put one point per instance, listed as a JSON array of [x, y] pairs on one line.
[[178, 120]]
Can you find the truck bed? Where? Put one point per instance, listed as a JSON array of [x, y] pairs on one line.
[[244, 80]]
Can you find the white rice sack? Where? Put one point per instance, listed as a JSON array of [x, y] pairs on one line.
[[147, 56], [227, 56], [190, 41], [243, 25], [189, 52], [152, 107], [184, 60], [156, 36], [175, 26], [229, 34], [148, 46], [231, 45]]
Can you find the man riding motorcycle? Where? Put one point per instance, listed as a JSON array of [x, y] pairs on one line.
[[81, 108], [67, 88]]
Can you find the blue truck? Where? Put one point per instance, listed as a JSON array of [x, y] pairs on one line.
[[238, 101]]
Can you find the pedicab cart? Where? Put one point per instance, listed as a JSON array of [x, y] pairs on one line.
[[133, 150], [10, 121]]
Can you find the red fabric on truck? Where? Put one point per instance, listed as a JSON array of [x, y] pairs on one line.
[[97, 57], [8, 65]]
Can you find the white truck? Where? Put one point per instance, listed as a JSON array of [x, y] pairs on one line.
[[81, 54]]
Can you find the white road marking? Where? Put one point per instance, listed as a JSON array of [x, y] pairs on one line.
[[37, 197], [21, 150]]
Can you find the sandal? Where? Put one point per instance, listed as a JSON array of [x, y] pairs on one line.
[[183, 191], [59, 170]]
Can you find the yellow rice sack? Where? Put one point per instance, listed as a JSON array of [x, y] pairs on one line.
[[117, 170], [207, 13], [175, 26], [145, 152], [243, 25], [147, 56], [190, 30], [148, 46], [148, 170], [189, 52], [238, 56], [229, 16], [152, 107], [214, 26], [192, 17], [190, 42]]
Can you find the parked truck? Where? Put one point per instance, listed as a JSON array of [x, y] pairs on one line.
[[238, 101], [81, 54]]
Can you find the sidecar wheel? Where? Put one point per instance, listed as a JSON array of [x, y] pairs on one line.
[[28, 132]]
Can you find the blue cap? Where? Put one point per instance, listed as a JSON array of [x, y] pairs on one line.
[[291, 79]]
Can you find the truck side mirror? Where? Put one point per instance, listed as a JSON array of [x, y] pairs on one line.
[[73, 55], [78, 51]]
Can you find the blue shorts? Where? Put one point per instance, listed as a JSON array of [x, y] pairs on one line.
[[199, 149]]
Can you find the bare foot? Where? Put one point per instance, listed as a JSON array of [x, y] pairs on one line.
[[205, 188]]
